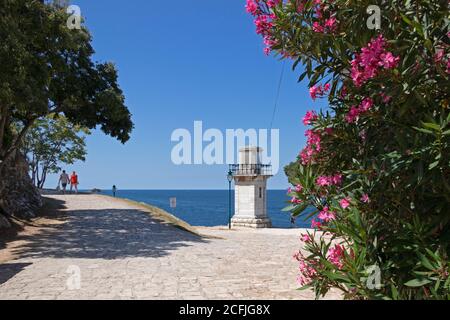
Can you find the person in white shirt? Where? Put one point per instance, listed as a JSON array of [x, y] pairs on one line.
[[64, 180]]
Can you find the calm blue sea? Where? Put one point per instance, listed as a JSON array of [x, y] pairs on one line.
[[208, 207]]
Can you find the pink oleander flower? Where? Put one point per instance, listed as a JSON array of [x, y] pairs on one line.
[[439, 55], [366, 104], [303, 281], [318, 28], [301, 6], [298, 188], [316, 224], [327, 215], [374, 56], [319, 91], [365, 198], [305, 238], [336, 255], [296, 200], [331, 24], [357, 76], [272, 3], [345, 203], [322, 181], [263, 24], [353, 114], [312, 148], [337, 179], [309, 117], [289, 190], [307, 271], [313, 137], [269, 41], [388, 60], [386, 99], [313, 91], [326, 181], [252, 7], [307, 155]]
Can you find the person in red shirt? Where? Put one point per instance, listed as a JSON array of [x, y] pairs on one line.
[[74, 182]]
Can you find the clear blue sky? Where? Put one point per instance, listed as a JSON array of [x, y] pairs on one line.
[[181, 61]]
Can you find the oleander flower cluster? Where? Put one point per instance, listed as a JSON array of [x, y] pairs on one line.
[[372, 179], [373, 59], [264, 21]]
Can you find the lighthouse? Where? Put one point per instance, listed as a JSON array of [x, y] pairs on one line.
[[250, 177]]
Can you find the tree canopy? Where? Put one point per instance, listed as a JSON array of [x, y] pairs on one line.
[[47, 68], [50, 143]]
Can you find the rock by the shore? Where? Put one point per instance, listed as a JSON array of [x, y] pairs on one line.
[[18, 196]]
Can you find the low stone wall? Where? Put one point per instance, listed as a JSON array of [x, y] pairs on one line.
[[18, 196]]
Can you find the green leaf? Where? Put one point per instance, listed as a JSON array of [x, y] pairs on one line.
[[305, 288], [289, 208], [425, 262], [433, 165], [423, 130], [433, 126], [394, 292], [417, 283]]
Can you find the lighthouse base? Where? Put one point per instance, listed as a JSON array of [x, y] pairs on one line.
[[257, 223]]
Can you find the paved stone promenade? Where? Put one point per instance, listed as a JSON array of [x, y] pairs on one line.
[[117, 251]]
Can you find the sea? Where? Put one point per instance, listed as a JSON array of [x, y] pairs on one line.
[[210, 207]]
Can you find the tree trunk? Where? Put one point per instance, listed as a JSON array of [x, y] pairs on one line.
[[3, 121], [38, 179], [43, 178], [7, 153]]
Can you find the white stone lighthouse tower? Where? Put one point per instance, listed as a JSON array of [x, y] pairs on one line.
[[250, 177]]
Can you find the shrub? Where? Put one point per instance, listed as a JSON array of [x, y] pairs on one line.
[[376, 166]]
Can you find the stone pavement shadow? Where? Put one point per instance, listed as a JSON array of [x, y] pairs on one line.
[[51, 210], [7, 271], [107, 234]]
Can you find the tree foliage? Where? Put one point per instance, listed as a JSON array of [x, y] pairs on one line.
[[50, 143], [47, 68], [377, 163]]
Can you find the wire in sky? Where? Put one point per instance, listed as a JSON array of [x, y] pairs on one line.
[[278, 95]]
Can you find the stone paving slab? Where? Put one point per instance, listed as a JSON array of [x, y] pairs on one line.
[[109, 249]]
